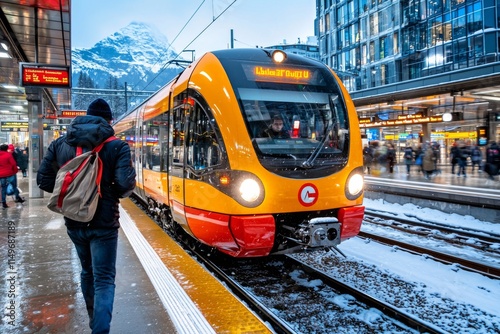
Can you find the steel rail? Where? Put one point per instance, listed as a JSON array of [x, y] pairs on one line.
[[388, 309], [459, 230], [484, 269]]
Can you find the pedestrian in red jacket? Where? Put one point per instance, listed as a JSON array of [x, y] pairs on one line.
[[8, 171]]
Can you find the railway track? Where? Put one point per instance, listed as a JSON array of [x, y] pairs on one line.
[[237, 275], [487, 242], [249, 280], [390, 310], [462, 233], [303, 297]]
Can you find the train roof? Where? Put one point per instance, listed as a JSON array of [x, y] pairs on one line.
[[241, 54], [261, 54]]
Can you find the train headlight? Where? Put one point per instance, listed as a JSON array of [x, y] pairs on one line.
[[244, 187], [278, 56], [249, 190], [355, 184]]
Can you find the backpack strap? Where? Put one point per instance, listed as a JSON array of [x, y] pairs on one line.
[[100, 146], [79, 149], [99, 162]]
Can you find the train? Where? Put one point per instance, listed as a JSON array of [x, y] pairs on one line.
[[208, 165]]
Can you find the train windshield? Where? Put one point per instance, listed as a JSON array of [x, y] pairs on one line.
[[298, 124]]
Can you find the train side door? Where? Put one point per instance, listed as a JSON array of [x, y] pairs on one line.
[[138, 150], [177, 158]]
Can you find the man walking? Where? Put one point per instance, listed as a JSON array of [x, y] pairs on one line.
[[95, 241]]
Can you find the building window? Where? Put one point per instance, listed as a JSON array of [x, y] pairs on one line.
[[395, 43], [363, 28], [384, 19], [460, 51], [355, 33], [435, 7], [456, 3], [411, 12], [341, 17], [384, 74], [332, 43], [382, 49], [372, 51], [357, 57], [436, 35], [474, 18], [363, 6], [458, 23], [373, 24], [489, 19], [421, 37], [347, 36], [364, 55]]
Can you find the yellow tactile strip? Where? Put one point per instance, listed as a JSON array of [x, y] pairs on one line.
[[224, 312]]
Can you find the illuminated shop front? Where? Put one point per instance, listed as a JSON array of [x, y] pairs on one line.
[[401, 58]]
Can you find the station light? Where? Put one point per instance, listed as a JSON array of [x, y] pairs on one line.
[[4, 50], [447, 117]]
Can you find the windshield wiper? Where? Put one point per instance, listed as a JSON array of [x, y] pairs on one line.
[[309, 163]]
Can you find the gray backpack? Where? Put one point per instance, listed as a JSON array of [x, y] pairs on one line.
[[78, 185]]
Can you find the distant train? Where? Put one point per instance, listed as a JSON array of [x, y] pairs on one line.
[[209, 162]]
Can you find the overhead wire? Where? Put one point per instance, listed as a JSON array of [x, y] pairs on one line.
[[236, 40], [169, 46], [192, 41]]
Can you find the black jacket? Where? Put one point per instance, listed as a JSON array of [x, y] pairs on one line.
[[118, 175]]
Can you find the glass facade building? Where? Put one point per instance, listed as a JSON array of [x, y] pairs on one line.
[[401, 59], [378, 42]]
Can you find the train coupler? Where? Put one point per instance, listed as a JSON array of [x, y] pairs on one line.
[[318, 232]]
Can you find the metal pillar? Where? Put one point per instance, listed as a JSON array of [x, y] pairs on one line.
[[35, 107], [426, 130]]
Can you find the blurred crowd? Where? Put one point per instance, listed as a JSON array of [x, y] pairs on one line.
[[12, 159], [380, 158]]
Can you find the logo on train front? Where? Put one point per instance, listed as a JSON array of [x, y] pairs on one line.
[[308, 194]]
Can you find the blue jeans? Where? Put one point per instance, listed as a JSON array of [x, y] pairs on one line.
[[96, 249], [461, 167], [4, 181]]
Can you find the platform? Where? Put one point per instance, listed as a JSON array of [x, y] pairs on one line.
[[159, 289], [474, 195], [473, 179]]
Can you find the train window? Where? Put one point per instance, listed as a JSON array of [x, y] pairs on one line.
[[310, 120], [150, 147], [315, 126], [202, 146], [177, 125], [156, 136]]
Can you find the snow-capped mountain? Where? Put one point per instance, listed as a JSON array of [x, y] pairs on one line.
[[135, 54]]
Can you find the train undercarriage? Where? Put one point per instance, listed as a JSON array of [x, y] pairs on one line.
[[309, 235]]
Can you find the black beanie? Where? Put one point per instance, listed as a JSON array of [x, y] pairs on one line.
[[100, 108]]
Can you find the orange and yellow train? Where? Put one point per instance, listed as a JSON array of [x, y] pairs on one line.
[[206, 163]]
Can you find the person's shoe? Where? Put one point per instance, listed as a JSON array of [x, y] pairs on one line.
[[4, 205], [20, 200]]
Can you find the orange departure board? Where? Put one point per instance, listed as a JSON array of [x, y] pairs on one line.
[[33, 74]]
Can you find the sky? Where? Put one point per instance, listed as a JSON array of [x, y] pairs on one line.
[[254, 22]]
